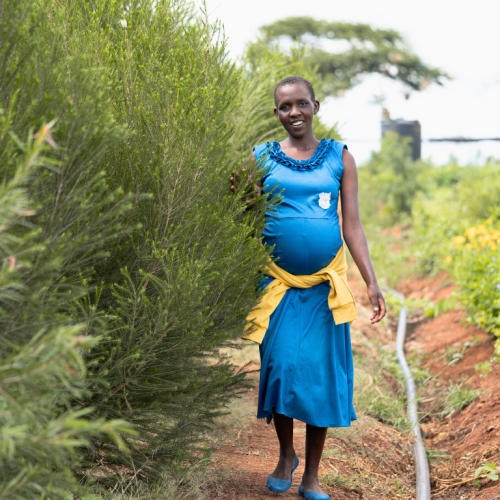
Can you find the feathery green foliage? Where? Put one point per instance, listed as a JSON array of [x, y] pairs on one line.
[[180, 287], [56, 217], [42, 370]]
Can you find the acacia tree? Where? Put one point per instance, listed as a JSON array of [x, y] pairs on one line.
[[370, 50]]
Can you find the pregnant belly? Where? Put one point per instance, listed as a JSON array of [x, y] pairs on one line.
[[301, 245]]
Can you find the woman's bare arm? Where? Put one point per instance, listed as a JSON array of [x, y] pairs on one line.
[[354, 235]]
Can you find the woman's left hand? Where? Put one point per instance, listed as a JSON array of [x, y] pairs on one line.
[[378, 303]]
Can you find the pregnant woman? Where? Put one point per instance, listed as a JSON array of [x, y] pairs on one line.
[[302, 321]]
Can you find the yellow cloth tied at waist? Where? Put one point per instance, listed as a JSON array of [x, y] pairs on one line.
[[340, 299]]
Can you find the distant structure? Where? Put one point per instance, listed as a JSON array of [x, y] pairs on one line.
[[404, 128], [465, 139]]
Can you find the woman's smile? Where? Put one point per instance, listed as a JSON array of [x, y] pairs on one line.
[[295, 109]]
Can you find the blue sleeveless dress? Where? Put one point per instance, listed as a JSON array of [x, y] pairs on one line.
[[306, 360]]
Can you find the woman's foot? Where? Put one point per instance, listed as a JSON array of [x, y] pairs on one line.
[[311, 483], [285, 466]]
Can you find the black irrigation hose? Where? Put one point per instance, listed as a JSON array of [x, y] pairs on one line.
[[421, 463]]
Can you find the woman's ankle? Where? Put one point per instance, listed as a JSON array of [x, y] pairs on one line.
[[310, 477], [288, 454]]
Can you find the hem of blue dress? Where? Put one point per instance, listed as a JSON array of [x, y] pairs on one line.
[[268, 414]]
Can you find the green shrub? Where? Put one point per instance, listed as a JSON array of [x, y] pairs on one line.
[[389, 182], [475, 267], [453, 230], [55, 218], [180, 287], [42, 371], [455, 198]]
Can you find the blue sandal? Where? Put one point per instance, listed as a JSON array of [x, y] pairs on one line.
[[280, 485], [312, 495]]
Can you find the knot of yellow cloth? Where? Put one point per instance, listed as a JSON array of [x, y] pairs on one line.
[[340, 299]]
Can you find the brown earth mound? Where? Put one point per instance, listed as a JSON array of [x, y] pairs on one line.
[[471, 436]]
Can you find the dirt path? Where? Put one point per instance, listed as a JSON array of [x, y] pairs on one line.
[[253, 456], [365, 461]]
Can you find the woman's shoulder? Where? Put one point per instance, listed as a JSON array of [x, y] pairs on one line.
[[337, 146]]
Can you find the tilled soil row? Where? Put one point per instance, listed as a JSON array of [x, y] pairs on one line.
[[471, 436]]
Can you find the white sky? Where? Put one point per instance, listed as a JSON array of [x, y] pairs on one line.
[[461, 37]]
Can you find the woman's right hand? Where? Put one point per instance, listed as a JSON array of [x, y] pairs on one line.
[[235, 179], [245, 181]]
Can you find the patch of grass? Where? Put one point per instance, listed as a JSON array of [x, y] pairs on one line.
[[437, 455], [451, 398], [189, 484], [389, 362], [456, 397], [484, 368], [382, 404], [376, 398], [454, 353], [354, 481]]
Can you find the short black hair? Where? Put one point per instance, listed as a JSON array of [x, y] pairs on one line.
[[290, 80]]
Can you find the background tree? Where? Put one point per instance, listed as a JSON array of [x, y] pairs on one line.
[[368, 50]]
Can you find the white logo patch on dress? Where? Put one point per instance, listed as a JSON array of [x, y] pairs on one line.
[[324, 200]]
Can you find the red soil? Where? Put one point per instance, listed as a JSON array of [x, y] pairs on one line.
[[254, 455], [473, 431]]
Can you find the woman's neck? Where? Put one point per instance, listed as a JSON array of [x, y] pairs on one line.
[[301, 148], [305, 143]]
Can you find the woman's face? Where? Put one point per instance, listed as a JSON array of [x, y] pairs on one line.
[[295, 109]]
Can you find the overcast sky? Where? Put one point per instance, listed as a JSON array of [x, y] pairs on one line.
[[463, 38]]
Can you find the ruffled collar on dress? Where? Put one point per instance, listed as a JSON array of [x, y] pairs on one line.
[[315, 161]]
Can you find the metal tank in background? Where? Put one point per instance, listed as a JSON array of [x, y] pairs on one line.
[[406, 128]]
